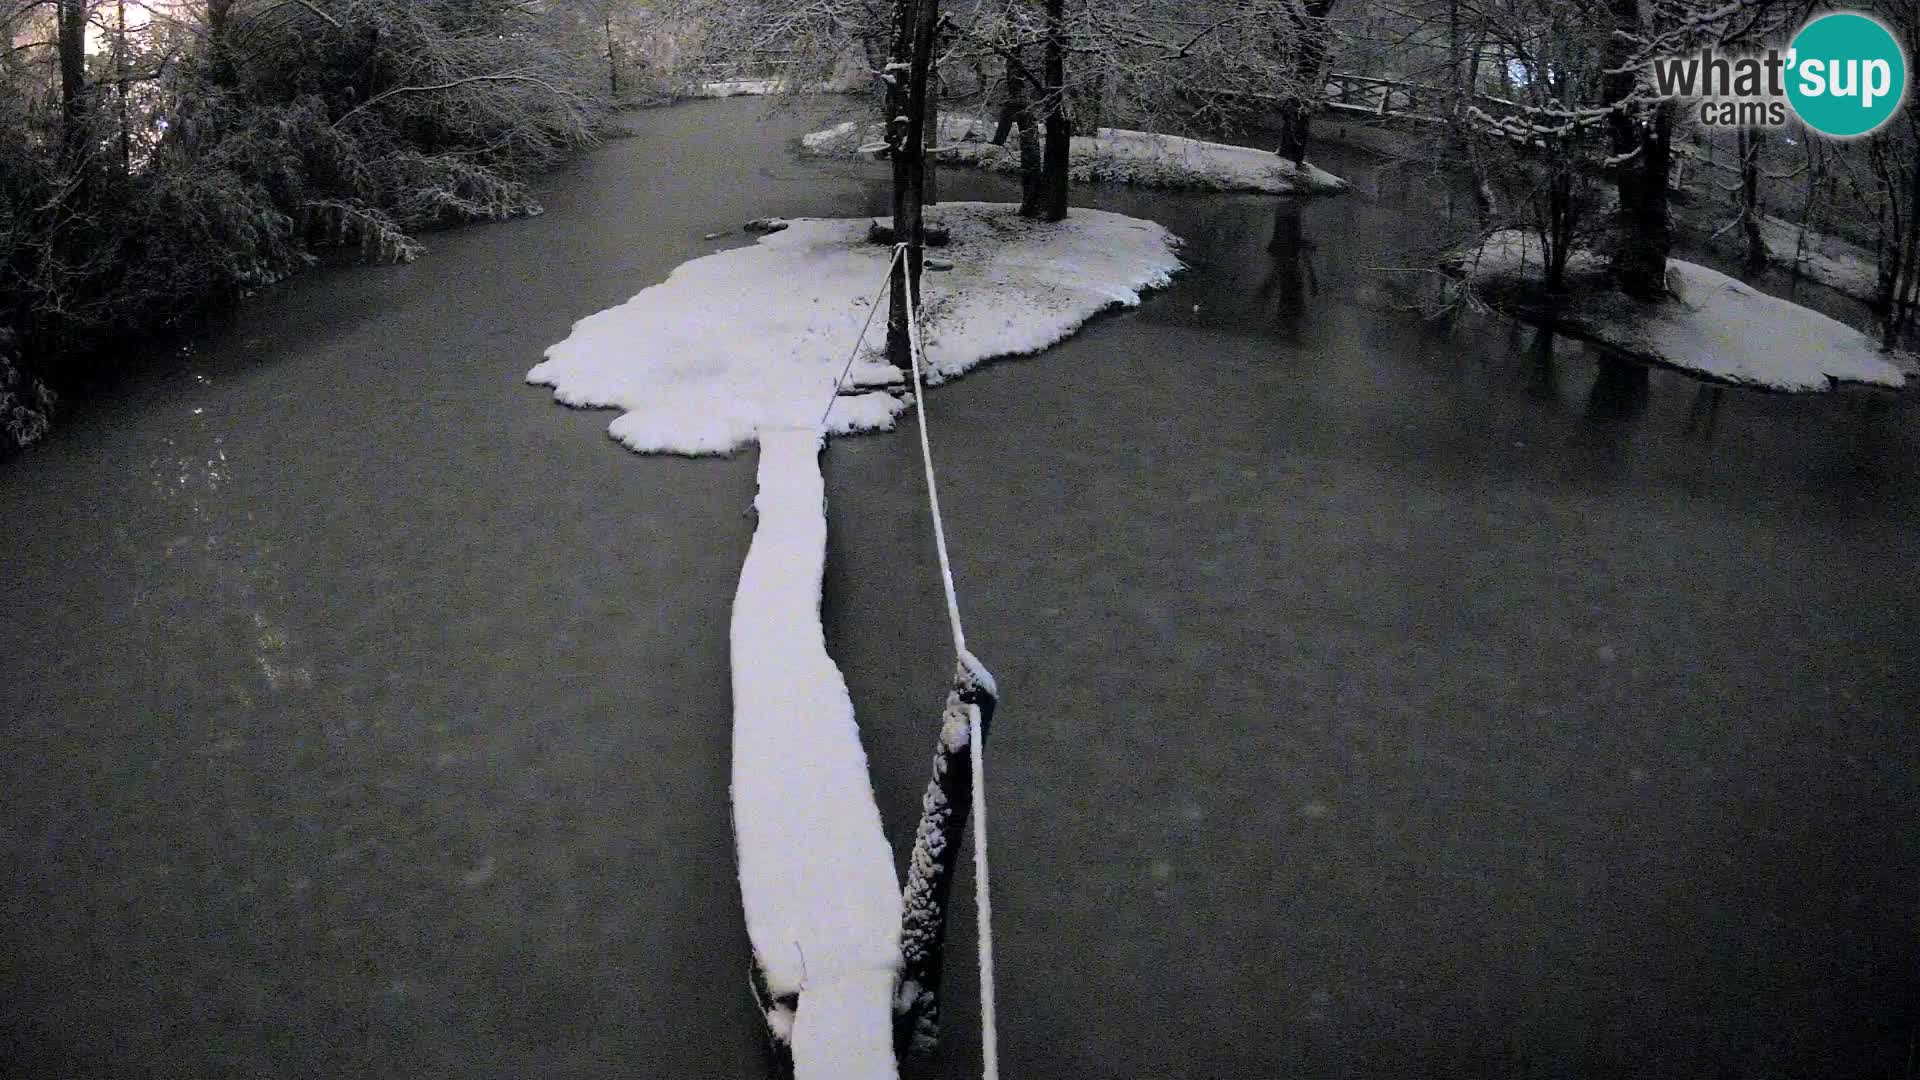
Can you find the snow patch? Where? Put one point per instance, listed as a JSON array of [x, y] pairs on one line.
[[1110, 155], [817, 881], [1712, 325], [754, 337]]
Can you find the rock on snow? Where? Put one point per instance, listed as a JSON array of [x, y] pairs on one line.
[[1713, 325], [1110, 155], [754, 337]]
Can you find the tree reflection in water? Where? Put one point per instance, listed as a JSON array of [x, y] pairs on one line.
[[1290, 280]]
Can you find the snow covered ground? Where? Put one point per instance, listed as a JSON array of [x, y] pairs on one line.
[[1712, 325], [1111, 155], [1829, 260], [816, 875], [754, 337]]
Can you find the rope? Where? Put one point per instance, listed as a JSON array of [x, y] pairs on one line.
[[873, 308], [926, 456], [989, 1031]]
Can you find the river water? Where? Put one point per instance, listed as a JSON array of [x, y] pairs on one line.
[[1384, 697]]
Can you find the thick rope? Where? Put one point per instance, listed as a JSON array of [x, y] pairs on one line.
[[989, 1032]]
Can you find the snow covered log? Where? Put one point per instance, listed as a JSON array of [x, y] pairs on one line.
[[936, 852], [754, 337], [816, 875]]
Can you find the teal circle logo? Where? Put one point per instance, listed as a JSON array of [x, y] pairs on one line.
[[1846, 74]]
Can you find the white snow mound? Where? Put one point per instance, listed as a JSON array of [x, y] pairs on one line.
[[754, 337], [1110, 155]]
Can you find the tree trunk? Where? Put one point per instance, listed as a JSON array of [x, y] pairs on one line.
[[1750, 142], [1020, 113], [1295, 126], [1642, 138], [1456, 81], [930, 163], [1913, 250], [1899, 274], [1560, 222], [72, 30], [907, 138], [930, 870], [1889, 232], [1308, 79], [220, 63], [613, 59], [896, 68], [1056, 156], [1009, 114], [120, 74]]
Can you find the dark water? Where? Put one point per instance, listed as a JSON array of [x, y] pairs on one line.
[[1384, 698]]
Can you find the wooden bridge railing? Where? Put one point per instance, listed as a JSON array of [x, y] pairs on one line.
[[1404, 101]]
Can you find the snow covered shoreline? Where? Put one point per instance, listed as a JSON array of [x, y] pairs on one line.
[[1713, 326], [1111, 155], [754, 337]]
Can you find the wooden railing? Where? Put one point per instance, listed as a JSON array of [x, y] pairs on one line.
[[1390, 100]]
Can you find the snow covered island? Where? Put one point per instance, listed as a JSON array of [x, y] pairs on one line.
[[1711, 325], [754, 337], [1110, 155]]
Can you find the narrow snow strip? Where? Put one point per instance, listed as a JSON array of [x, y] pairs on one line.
[[816, 875], [754, 337], [1713, 325], [1110, 155]]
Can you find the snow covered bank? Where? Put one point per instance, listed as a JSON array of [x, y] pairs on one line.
[[737, 88], [816, 875], [754, 337], [1712, 325], [1111, 155], [1829, 260]]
